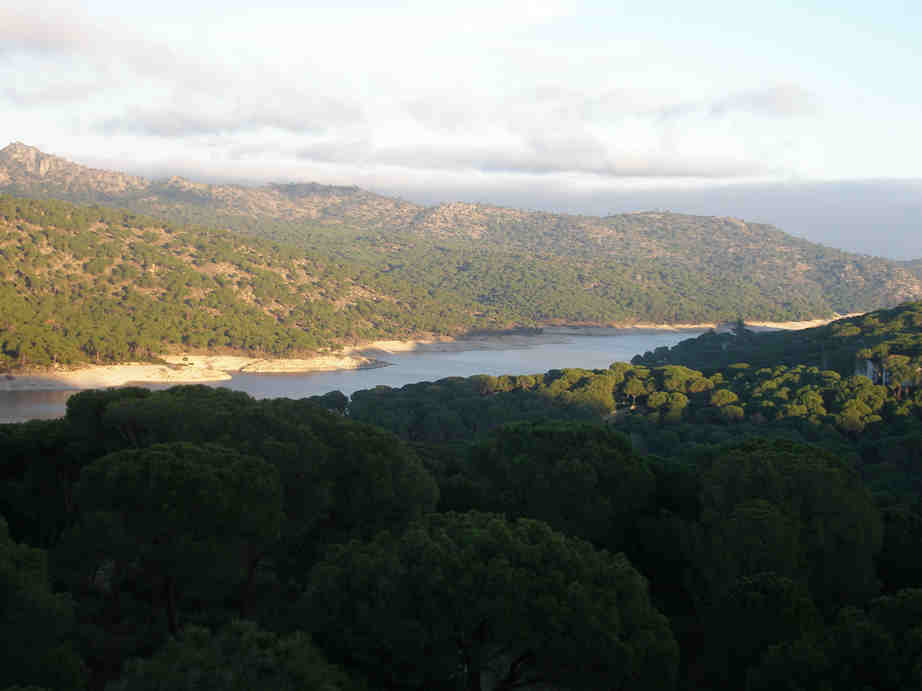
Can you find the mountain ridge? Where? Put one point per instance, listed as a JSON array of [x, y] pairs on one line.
[[25, 170], [535, 267]]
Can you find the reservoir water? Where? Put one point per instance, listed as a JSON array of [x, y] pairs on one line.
[[589, 352]]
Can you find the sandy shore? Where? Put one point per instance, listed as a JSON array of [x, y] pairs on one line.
[[796, 326], [563, 331], [447, 344], [190, 369], [702, 326], [238, 363], [181, 369]]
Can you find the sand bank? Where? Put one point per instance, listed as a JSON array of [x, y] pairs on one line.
[[238, 363], [796, 326], [563, 331], [701, 326], [180, 369], [447, 344]]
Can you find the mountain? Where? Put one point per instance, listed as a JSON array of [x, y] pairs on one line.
[[508, 267], [90, 283], [26, 171]]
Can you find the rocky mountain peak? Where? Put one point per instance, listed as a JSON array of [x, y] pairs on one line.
[[16, 149], [25, 169], [30, 159]]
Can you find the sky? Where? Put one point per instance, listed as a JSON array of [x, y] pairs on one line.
[[713, 106]]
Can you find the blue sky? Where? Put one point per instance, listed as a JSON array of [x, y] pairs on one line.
[[476, 98]]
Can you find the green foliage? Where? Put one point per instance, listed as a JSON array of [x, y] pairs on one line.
[[581, 479], [900, 560], [722, 397], [799, 402], [771, 608], [791, 509], [34, 622], [473, 599], [239, 657], [877, 648], [339, 479], [890, 340], [192, 505], [178, 512]]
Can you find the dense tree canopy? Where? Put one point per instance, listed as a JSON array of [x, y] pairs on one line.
[[889, 339], [581, 479], [35, 623], [239, 657], [177, 513], [474, 600], [789, 509]]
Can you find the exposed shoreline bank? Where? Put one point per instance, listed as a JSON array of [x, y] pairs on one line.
[[180, 369], [590, 330], [191, 369]]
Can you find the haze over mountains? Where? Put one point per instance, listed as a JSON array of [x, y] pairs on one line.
[[378, 266], [882, 218]]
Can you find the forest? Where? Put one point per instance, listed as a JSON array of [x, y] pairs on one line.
[[888, 339], [644, 526]]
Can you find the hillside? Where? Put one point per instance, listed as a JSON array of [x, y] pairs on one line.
[[509, 267], [890, 338], [94, 284]]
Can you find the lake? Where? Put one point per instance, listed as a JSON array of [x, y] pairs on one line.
[[589, 352]]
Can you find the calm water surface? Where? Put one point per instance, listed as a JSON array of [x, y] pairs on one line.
[[590, 352]]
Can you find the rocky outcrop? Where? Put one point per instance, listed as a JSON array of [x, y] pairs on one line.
[[27, 170]]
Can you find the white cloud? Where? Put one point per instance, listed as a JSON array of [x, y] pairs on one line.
[[304, 115], [786, 100], [477, 90]]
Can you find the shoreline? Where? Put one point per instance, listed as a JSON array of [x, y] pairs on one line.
[[807, 324], [766, 325], [452, 344], [180, 369], [197, 369], [758, 326]]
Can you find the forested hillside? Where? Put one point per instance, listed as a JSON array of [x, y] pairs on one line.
[[94, 284], [889, 339], [521, 267]]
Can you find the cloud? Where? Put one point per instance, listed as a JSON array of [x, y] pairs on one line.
[[22, 31], [355, 151], [406, 91], [54, 94], [305, 116], [437, 112], [778, 101], [535, 154], [563, 104], [115, 53], [784, 101]]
